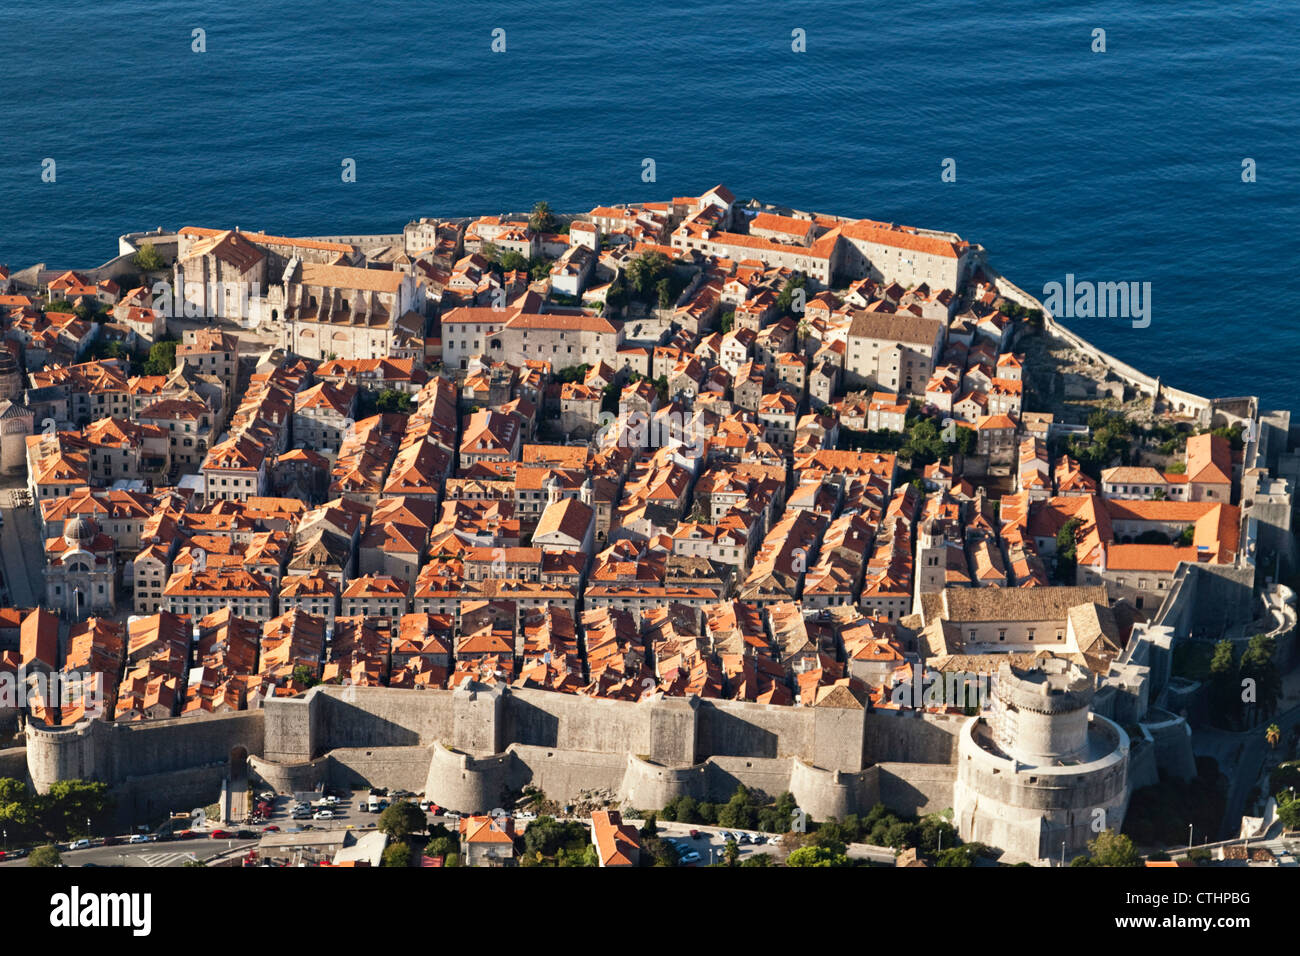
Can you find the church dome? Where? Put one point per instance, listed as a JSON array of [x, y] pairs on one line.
[[80, 531]]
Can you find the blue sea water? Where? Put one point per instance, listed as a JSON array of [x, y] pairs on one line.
[[1123, 165]]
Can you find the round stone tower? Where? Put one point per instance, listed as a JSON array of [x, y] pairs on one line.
[[1041, 715], [1040, 776]]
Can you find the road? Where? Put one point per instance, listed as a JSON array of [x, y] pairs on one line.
[[20, 547], [170, 853]]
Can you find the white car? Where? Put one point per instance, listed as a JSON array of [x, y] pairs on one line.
[[79, 844], [323, 815]]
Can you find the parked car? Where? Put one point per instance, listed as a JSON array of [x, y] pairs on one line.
[[690, 857], [82, 844], [271, 829], [323, 815], [696, 835], [222, 835], [743, 839], [139, 838]]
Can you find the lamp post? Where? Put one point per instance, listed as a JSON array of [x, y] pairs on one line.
[[1189, 837], [1062, 853]]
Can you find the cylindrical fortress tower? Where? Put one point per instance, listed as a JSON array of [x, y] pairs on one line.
[[1041, 715], [1041, 775]]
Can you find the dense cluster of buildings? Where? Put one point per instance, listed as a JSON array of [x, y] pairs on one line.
[[442, 473]]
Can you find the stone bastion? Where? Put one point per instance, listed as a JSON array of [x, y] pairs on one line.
[[473, 748]]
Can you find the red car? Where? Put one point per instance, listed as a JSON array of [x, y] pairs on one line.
[[222, 835], [271, 829], [185, 834]]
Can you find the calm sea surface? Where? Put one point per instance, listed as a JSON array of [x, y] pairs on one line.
[[1122, 166]]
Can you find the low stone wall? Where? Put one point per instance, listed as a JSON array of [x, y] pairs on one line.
[[916, 789], [1184, 402], [402, 768], [909, 736], [13, 763], [149, 799]]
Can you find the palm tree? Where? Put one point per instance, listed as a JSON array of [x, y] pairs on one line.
[[1273, 735], [542, 219]]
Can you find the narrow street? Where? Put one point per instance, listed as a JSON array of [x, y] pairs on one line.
[[22, 551]]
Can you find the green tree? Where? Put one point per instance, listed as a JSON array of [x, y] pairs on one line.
[[548, 836], [401, 819], [1225, 688], [740, 812], [956, 856], [17, 806], [816, 856], [727, 321], [397, 854], [645, 271], [542, 219], [147, 259], [162, 358], [1067, 550], [664, 287], [1288, 811], [391, 400], [47, 855], [785, 302], [616, 296], [65, 809], [650, 827], [1258, 667], [442, 846], [539, 268], [731, 853], [758, 859], [512, 261], [1109, 848]]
